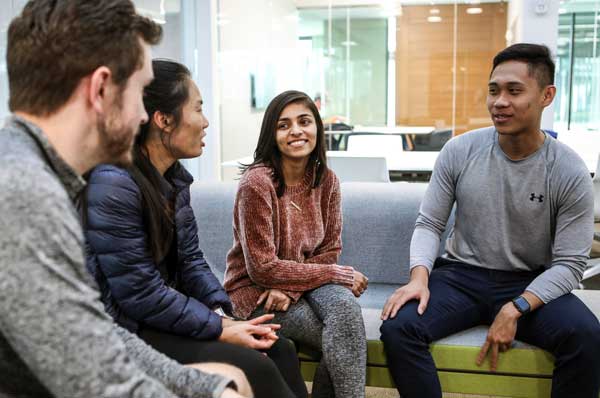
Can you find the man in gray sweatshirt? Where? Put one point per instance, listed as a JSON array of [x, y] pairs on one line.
[[76, 74], [523, 230]]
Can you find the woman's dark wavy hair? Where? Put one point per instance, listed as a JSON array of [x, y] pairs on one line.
[[267, 151], [167, 93]]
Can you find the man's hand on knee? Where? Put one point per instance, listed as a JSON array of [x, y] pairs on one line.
[[416, 289], [238, 376]]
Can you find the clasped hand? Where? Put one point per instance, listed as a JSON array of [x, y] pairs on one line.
[[360, 284], [254, 333], [276, 300]]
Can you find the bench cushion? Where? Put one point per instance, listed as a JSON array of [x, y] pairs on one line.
[[458, 351]]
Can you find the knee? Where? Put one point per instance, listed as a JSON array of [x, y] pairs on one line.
[[587, 341], [400, 330], [283, 348], [338, 305], [263, 365], [350, 309]]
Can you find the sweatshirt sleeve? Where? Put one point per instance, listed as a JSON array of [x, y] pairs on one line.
[[183, 381], [51, 315], [256, 234], [434, 211], [572, 240]]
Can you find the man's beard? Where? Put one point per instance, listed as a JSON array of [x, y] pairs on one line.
[[116, 139]]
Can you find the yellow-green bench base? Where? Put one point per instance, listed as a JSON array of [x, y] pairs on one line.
[[522, 373]]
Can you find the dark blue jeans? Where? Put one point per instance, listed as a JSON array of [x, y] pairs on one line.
[[463, 296]]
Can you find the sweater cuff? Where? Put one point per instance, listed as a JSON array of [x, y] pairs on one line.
[[212, 385], [221, 385], [212, 328], [343, 275]]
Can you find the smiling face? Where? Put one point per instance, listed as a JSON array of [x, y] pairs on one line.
[[515, 99], [187, 139], [296, 134]]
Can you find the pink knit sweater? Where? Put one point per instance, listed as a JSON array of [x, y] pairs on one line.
[[290, 243]]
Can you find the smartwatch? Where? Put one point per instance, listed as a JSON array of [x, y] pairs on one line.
[[219, 311], [521, 304]]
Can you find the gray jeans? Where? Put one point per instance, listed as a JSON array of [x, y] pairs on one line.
[[329, 320]]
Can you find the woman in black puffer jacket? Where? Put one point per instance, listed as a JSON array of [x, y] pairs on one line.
[[143, 248]]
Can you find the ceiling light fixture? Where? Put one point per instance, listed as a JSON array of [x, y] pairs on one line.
[[474, 10], [434, 11], [434, 18]]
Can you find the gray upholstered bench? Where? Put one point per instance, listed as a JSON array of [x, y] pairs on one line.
[[378, 223]]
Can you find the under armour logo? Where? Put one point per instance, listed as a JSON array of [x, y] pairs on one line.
[[540, 198]]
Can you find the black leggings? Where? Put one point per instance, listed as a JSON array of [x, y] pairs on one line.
[[278, 376]]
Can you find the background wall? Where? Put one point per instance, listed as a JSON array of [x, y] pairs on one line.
[[10, 8], [530, 21], [260, 38], [424, 64]]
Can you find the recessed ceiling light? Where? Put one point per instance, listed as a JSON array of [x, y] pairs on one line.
[[474, 10], [434, 18], [434, 11]]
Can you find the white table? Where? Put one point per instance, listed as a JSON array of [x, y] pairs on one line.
[[403, 162], [585, 143], [413, 130], [409, 132]]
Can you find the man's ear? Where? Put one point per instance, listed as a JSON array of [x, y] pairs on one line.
[[548, 95], [98, 86], [163, 121]]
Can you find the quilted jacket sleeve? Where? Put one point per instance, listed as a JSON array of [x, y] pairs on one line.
[[115, 232], [198, 279]]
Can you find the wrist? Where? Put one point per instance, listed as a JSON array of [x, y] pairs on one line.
[[511, 311], [521, 304], [420, 274], [342, 275]]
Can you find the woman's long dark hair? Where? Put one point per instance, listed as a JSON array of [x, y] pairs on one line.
[[267, 151], [167, 94]]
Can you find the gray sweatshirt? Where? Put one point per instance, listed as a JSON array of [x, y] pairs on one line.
[[532, 214], [55, 338]]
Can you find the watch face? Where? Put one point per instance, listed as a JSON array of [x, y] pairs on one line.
[[219, 311], [521, 304]]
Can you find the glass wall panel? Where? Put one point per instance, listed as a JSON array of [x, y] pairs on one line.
[[578, 67], [347, 68], [397, 63], [443, 57]]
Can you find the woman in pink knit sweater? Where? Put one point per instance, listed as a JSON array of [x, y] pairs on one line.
[[287, 242]]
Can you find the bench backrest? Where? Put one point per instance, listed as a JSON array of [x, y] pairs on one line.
[[379, 219]]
